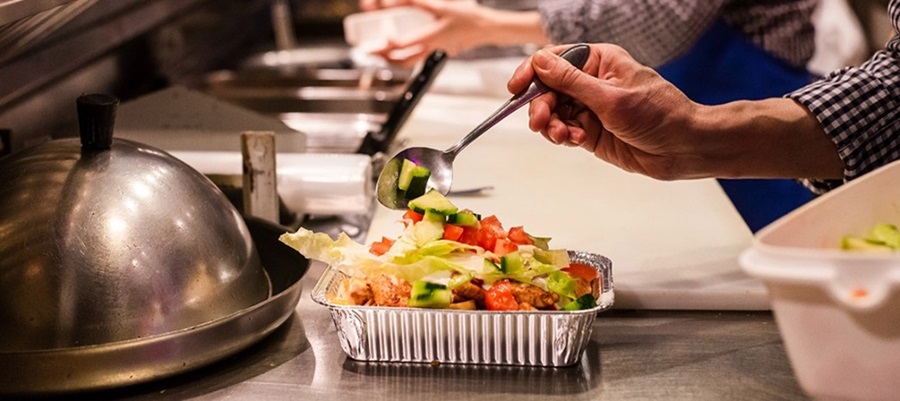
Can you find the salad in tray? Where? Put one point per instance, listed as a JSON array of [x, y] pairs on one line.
[[452, 258]]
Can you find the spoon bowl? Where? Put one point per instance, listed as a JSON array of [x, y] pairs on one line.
[[440, 163]]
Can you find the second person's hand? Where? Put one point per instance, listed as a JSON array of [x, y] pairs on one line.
[[460, 26], [369, 5]]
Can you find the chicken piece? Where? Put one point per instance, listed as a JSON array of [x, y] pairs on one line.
[[464, 305], [526, 306], [469, 291], [390, 290], [354, 291], [583, 287], [534, 296]]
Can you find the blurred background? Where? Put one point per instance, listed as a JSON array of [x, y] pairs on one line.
[[53, 50]]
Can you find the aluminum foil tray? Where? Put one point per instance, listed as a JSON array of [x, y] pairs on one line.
[[524, 338]]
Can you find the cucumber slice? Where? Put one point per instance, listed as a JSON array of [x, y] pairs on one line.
[[585, 301], [864, 244], [429, 295], [886, 233], [410, 171], [433, 200], [512, 263], [463, 219], [406, 174], [434, 216], [417, 186]]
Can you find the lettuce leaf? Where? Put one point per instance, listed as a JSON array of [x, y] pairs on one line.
[[344, 254], [563, 285], [438, 258]]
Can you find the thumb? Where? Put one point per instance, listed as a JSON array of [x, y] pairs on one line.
[[565, 78]]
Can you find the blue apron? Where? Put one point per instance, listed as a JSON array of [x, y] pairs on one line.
[[724, 66]]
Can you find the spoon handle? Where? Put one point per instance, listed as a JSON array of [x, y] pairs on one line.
[[577, 55]]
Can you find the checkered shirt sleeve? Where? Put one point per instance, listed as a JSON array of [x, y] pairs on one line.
[[859, 108], [653, 32], [656, 31]]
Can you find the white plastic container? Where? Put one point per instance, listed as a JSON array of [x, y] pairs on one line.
[[371, 30], [837, 311]]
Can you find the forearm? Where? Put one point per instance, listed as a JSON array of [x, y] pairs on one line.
[[514, 28], [768, 138]]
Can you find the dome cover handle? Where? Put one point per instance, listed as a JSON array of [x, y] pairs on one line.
[[96, 119]]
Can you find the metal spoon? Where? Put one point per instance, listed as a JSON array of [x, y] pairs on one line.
[[441, 162], [476, 191]]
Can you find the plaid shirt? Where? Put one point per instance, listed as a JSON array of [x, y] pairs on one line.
[[859, 107], [655, 32]]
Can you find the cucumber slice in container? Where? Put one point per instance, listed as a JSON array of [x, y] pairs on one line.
[[864, 244], [886, 233]]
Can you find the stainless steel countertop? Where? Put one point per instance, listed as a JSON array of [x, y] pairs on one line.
[[633, 355]]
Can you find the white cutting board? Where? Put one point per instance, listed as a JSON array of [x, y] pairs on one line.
[[674, 245]]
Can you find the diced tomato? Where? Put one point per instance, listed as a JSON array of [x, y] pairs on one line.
[[500, 297], [412, 217], [504, 246], [487, 239], [379, 248], [491, 220], [490, 231], [469, 236], [583, 271], [452, 232], [519, 236]]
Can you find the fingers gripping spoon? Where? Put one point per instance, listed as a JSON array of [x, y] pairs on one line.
[[440, 163]]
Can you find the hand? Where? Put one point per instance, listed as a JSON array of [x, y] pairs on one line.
[[621, 111], [626, 114], [369, 5], [458, 26]]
